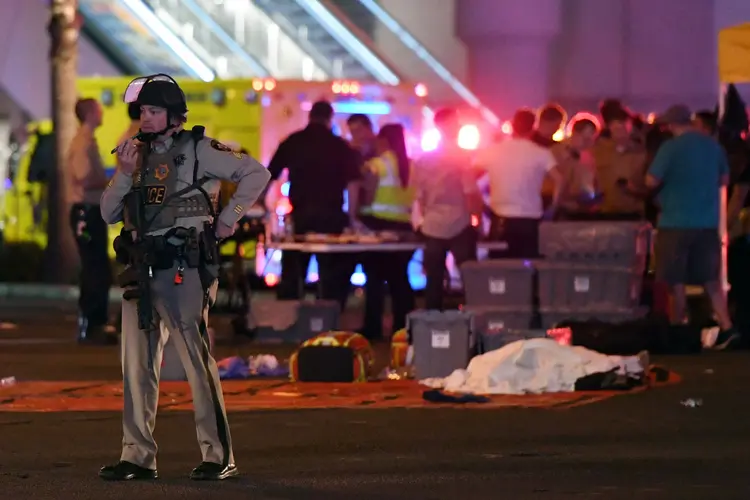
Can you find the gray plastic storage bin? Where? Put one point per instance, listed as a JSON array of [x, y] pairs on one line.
[[616, 243], [443, 342], [505, 283], [582, 287], [501, 318], [551, 318]]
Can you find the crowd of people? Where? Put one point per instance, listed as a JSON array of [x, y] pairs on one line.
[[614, 166]]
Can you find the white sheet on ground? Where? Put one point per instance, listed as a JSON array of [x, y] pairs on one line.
[[532, 366]]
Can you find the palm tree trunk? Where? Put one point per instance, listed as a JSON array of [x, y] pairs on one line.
[[61, 257]]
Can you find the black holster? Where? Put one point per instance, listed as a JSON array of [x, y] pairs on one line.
[[208, 271], [196, 251]]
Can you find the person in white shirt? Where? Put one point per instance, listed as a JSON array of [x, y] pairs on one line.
[[516, 169], [446, 195]]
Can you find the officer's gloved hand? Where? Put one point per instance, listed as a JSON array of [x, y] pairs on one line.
[[223, 231]]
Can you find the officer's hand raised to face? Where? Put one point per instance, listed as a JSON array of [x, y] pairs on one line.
[[127, 154]]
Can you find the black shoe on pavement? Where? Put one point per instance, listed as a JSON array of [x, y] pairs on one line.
[[126, 471], [726, 339], [210, 471]]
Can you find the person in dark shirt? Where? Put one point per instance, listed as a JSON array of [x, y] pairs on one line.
[[551, 118], [738, 255], [321, 167]]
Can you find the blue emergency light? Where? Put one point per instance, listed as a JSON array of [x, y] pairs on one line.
[[365, 108]]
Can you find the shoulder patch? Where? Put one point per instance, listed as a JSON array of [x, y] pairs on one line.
[[220, 147]]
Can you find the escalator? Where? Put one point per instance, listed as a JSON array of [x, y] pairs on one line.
[[283, 39], [129, 40], [339, 36], [297, 39], [331, 39]]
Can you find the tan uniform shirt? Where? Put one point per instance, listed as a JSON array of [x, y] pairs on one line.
[[217, 163], [613, 163], [88, 177]]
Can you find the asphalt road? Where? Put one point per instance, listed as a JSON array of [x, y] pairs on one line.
[[643, 445]]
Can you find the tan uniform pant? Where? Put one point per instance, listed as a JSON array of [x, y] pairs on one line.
[[183, 309]]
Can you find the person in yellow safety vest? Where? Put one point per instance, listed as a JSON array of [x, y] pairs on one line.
[[389, 210]]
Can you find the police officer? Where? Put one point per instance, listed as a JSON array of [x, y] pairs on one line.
[[179, 172], [88, 181]]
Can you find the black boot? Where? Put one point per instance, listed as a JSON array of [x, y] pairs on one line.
[[126, 471], [209, 471]]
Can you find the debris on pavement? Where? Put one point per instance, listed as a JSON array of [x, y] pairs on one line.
[[401, 373], [692, 403], [262, 365]]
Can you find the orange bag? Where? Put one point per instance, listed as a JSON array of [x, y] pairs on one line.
[[399, 348], [362, 354]]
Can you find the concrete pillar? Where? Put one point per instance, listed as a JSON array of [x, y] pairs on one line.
[[509, 50], [587, 59], [671, 55]]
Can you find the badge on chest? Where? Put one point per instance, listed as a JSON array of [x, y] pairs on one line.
[[155, 195], [161, 172]]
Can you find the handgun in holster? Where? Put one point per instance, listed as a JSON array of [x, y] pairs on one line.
[[208, 271]]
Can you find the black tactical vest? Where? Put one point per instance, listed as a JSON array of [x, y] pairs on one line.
[[170, 189]]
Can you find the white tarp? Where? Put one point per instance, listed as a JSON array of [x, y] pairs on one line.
[[532, 367]]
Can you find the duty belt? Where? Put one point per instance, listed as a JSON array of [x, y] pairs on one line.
[[188, 247]]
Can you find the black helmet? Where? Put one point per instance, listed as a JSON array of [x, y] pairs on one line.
[[157, 90], [134, 111]]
